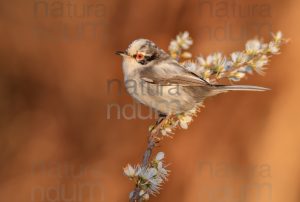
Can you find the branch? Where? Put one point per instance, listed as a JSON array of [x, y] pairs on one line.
[[153, 140]]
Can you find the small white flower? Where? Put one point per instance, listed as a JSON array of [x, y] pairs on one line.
[[160, 156], [228, 65], [192, 112], [184, 40], [184, 125], [273, 47], [192, 67], [184, 120], [214, 61], [235, 56], [166, 131], [148, 174], [129, 171], [262, 61], [217, 57], [209, 60], [174, 47], [253, 46], [219, 62], [162, 172], [205, 62], [155, 185], [201, 61], [139, 170], [151, 179], [277, 36], [238, 57]]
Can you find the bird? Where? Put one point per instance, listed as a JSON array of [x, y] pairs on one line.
[[152, 77]]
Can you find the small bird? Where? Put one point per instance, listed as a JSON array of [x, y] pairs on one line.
[[155, 79]]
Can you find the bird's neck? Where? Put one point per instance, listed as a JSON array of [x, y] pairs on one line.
[[130, 68]]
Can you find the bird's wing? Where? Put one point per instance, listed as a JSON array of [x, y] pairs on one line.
[[171, 74]]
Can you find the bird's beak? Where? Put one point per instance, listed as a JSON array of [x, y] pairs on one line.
[[121, 53]]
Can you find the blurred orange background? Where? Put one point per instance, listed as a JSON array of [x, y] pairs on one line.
[[57, 144]]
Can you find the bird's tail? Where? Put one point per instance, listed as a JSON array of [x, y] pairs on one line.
[[240, 88]]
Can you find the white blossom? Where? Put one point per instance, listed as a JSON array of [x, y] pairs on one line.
[[166, 131], [160, 156], [262, 61], [228, 65], [259, 65], [191, 66], [192, 111], [184, 121], [216, 57], [174, 46], [204, 62], [184, 40], [148, 174], [212, 58], [238, 57], [155, 186], [277, 36], [129, 171], [273, 47], [163, 173], [253, 46]]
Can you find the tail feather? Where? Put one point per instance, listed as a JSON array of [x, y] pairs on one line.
[[241, 88]]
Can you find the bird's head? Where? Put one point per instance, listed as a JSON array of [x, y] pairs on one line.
[[141, 52]]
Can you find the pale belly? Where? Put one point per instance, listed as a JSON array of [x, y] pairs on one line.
[[165, 99]]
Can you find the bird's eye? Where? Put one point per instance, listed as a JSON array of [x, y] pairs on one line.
[[139, 56]]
